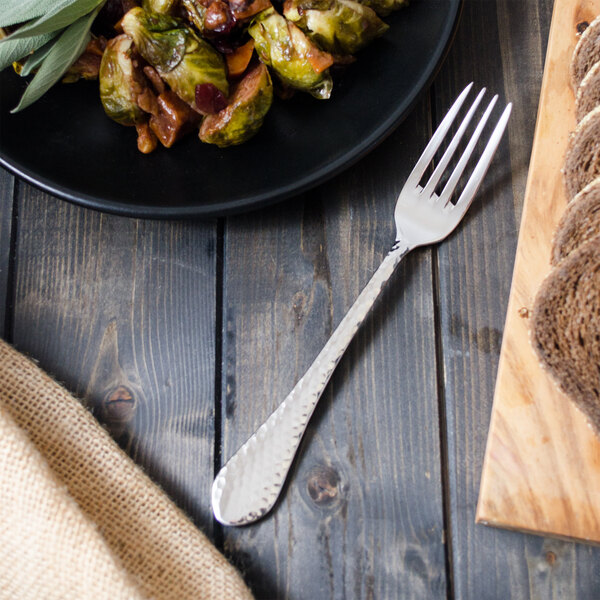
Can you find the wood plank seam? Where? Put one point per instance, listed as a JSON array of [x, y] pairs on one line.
[[9, 296], [441, 396], [218, 387]]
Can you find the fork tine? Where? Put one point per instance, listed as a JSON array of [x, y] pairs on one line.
[[441, 167], [484, 162], [436, 140], [466, 155]]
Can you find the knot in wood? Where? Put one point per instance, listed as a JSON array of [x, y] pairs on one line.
[[323, 486], [298, 303], [119, 405], [550, 557], [582, 26]]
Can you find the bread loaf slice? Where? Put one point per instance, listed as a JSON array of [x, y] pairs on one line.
[[586, 53], [579, 223], [588, 93], [566, 327], [582, 160]]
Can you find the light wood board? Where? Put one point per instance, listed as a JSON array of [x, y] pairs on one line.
[[541, 470]]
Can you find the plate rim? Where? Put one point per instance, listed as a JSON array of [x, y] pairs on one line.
[[263, 199]]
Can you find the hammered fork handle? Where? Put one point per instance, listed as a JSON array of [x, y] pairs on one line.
[[248, 485]]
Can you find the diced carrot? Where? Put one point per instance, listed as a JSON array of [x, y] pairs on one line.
[[319, 60], [239, 60]]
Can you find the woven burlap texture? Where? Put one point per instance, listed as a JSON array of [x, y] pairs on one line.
[[78, 519]]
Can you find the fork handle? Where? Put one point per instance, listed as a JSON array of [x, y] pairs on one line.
[[247, 487]]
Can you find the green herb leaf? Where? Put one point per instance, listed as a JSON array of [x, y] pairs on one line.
[[36, 59], [12, 50], [61, 16], [64, 53], [12, 13]]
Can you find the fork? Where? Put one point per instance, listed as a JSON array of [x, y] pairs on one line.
[[248, 486]]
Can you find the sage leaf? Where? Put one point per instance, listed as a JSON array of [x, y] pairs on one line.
[[62, 16], [36, 59], [12, 13], [11, 50], [64, 53]]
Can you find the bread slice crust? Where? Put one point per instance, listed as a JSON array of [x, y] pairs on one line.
[[565, 327], [588, 93], [579, 223], [582, 159]]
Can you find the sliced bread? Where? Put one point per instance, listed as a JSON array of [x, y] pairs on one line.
[[582, 160], [586, 53], [579, 223], [566, 327], [588, 93]]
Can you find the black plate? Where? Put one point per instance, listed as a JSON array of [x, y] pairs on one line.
[[66, 145]]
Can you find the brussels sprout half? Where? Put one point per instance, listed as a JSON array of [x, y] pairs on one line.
[[282, 46], [244, 114], [182, 59], [120, 82], [338, 26]]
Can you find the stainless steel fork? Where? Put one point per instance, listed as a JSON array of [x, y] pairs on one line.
[[249, 484]]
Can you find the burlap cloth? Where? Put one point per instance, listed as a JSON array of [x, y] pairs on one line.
[[78, 519]]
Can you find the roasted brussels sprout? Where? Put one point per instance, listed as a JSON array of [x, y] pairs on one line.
[[384, 7], [181, 58], [163, 7], [244, 114], [121, 82], [282, 46], [338, 26]]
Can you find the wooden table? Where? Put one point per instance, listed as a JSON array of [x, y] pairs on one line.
[[183, 336]]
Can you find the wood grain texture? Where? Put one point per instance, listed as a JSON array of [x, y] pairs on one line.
[[361, 516], [542, 465], [6, 219], [509, 40], [123, 312]]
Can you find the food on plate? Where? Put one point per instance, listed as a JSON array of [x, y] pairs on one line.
[[565, 327], [588, 93], [181, 58], [337, 26], [244, 113], [121, 82], [586, 54], [239, 59], [296, 60], [173, 118], [170, 66], [582, 160], [579, 223]]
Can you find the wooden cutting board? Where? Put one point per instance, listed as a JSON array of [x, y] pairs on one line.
[[541, 471]]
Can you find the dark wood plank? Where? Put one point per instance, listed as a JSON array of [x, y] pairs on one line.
[[123, 312], [362, 514], [6, 219], [475, 268]]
